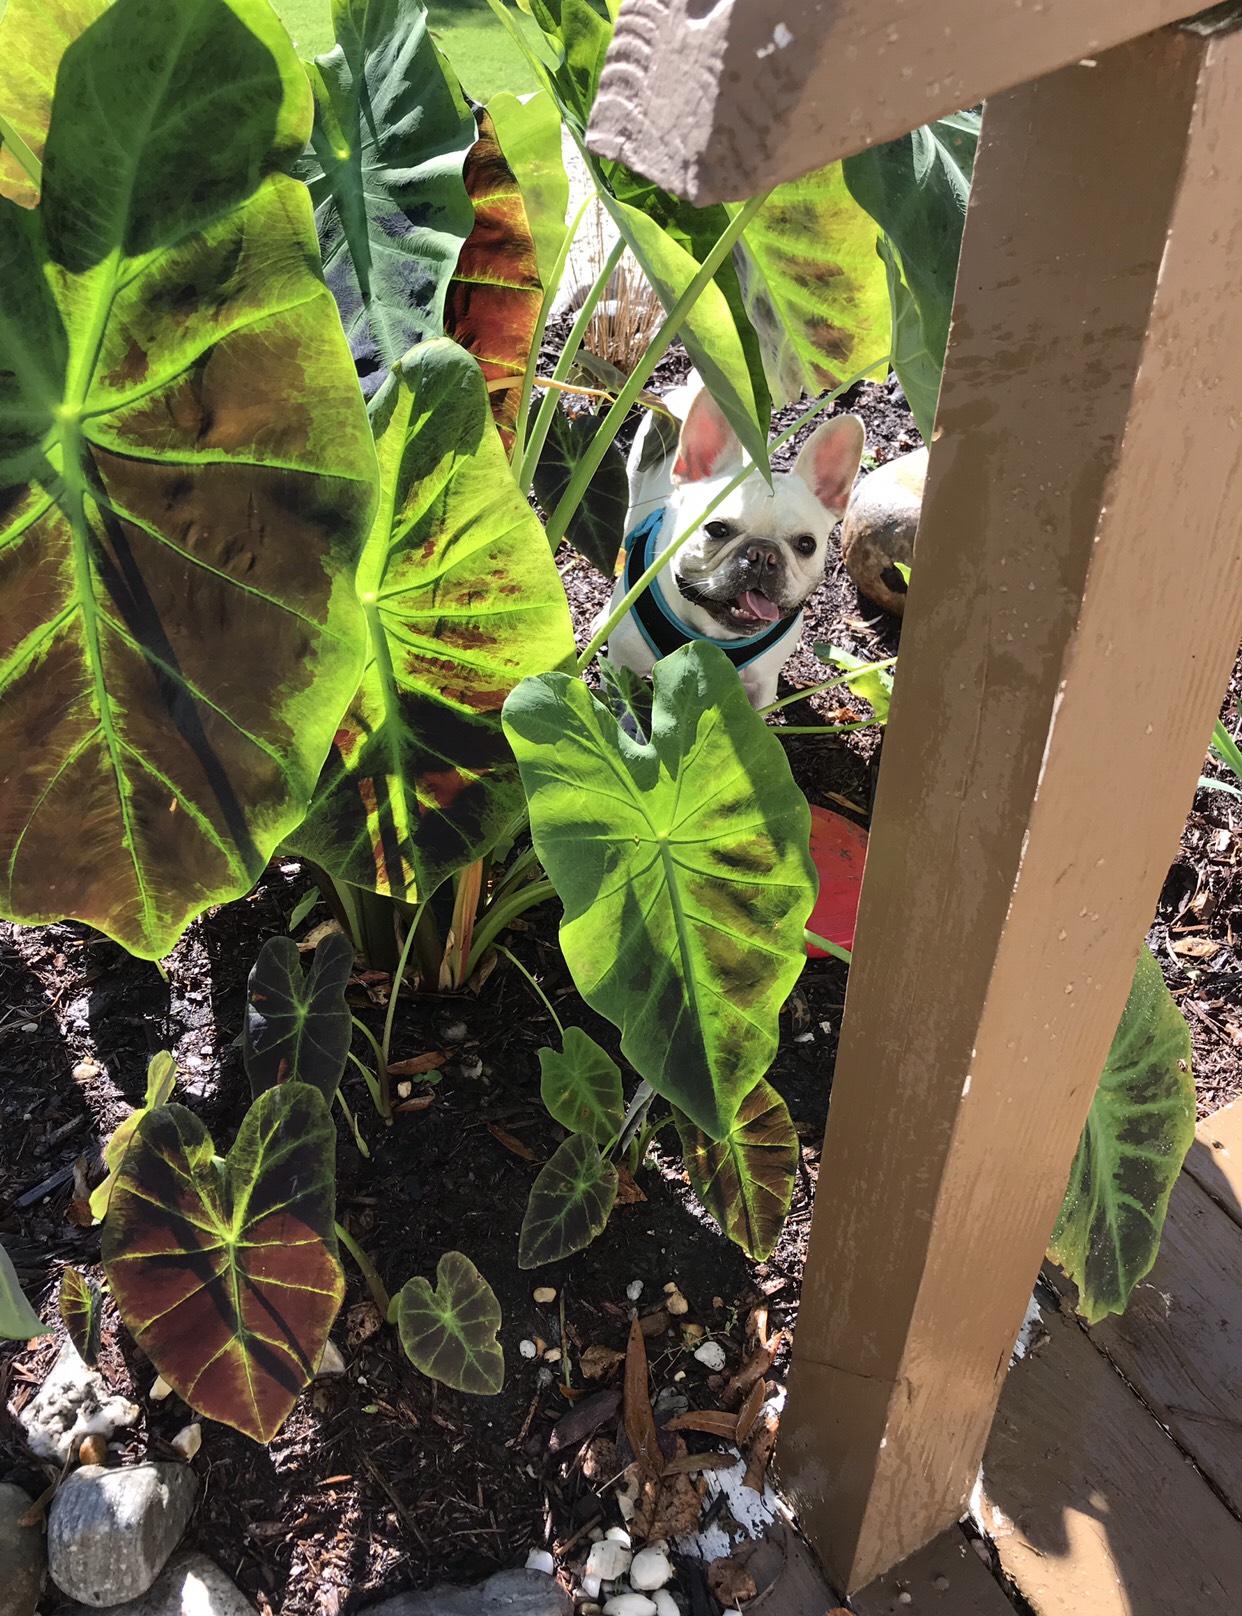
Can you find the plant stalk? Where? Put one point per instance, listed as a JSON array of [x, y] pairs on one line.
[[375, 1284], [547, 1003], [550, 403], [516, 455], [829, 947], [586, 468]]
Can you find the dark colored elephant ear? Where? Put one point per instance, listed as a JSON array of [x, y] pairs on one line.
[[570, 1202], [227, 1272], [81, 1306], [746, 1180], [449, 1333], [298, 1025]]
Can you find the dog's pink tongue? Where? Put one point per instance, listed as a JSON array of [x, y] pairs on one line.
[[760, 606]]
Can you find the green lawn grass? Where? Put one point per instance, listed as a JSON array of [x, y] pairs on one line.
[[474, 40]]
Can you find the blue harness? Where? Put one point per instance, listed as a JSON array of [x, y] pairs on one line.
[[660, 626]]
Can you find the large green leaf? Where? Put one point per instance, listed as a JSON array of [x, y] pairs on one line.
[[715, 334], [18, 1320], [597, 528], [185, 477], [33, 37], [814, 288], [449, 1333], [578, 34], [1141, 1124], [161, 1079], [569, 1203], [298, 1025], [918, 367], [463, 600], [529, 132], [746, 1180], [227, 1272], [684, 868], [916, 189], [581, 1086], [495, 295], [391, 135]]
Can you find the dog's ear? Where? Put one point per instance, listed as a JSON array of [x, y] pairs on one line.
[[829, 461], [708, 444]]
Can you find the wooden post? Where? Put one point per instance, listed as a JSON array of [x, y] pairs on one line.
[[718, 101], [1074, 611]]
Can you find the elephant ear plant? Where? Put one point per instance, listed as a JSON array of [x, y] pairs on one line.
[[228, 1269], [682, 859]]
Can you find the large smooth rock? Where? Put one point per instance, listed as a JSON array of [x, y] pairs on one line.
[[880, 527], [72, 1402], [190, 1585], [21, 1554], [110, 1532], [508, 1593]]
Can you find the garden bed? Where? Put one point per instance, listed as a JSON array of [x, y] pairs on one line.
[[383, 1479]]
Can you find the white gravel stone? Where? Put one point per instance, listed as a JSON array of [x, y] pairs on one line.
[[629, 1605], [110, 1532], [651, 1569], [190, 1585], [664, 1603], [618, 1534], [591, 1586], [712, 1355], [73, 1402], [634, 1289], [541, 1560], [528, 1349], [21, 1554], [160, 1389], [188, 1440], [608, 1559], [332, 1362]]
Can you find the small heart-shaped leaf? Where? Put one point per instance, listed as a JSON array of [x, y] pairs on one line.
[[569, 1203], [449, 1333], [80, 1308], [298, 1025], [746, 1180], [227, 1272], [161, 1078], [581, 1086]]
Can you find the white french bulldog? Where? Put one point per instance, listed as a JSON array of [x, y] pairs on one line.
[[744, 577]]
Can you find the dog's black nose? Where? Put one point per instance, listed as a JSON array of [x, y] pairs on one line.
[[761, 558]]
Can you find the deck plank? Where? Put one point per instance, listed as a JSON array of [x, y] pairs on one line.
[[1093, 1510], [946, 1578], [1215, 1160], [1179, 1343]]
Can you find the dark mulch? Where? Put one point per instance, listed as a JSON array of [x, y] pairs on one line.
[[382, 1479]]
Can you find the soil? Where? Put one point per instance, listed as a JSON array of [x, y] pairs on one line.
[[382, 1479]]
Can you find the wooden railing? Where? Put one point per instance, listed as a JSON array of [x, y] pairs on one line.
[[1073, 615]]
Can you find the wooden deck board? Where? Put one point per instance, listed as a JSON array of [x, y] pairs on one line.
[[1179, 1343], [1093, 1510], [946, 1578], [1215, 1162]]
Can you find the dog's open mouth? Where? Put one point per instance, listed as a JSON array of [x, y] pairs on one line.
[[751, 608]]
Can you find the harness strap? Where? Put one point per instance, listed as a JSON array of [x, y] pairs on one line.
[[663, 631]]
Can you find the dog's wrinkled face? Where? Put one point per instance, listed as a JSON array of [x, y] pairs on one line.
[[761, 553]]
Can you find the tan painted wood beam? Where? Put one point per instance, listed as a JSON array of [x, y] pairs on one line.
[[717, 102], [1074, 612]]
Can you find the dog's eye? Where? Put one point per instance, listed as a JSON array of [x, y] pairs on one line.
[[717, 530], [805, 545]]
